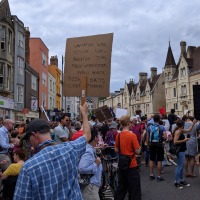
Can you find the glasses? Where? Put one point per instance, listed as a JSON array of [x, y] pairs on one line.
[[67, 120]]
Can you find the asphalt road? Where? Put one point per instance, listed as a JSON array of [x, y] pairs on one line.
[[166, 190], [153, 190]]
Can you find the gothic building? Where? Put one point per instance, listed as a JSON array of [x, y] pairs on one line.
[[180, 78]]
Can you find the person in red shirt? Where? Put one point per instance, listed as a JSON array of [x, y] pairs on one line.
[[79, 131], [129, 180]]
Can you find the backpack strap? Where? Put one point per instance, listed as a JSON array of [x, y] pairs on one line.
[[119, 142], [119, 146]]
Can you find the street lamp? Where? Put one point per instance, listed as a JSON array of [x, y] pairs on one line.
[[63, 59]]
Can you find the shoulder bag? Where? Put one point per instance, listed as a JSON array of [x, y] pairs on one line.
[[124, 161]]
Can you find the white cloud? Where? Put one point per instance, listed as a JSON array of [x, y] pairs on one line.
[[141, 29]]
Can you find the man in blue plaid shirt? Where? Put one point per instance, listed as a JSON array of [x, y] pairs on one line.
[[52, 173]]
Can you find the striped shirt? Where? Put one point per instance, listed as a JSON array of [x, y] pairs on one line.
[[52, 173]]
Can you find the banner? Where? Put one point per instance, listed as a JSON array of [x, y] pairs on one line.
[[103, 113], [91, 57], [121, 112]]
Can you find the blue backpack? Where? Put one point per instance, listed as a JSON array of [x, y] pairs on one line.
[[154, 133]]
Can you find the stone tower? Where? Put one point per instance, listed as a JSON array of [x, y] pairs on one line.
[[170, 65]]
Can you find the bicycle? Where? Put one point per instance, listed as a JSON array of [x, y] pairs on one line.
[[109, 174]]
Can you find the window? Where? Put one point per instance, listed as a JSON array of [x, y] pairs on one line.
[[33, 83], [183, 90], [3, 37], [9, 41], [50, 85], [44, 99], [184, 72], [174, 92], [44, 78], [1, 74], [50, 102], [20, 66], [147, 94], [21, 40], [125, 99], [44, 59], [53, 87], [53, 103], [175, 106], [8, 78], [169, 75], [20, 95], [138, 97]]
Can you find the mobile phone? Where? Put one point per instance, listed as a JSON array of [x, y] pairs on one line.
[[188, 135]]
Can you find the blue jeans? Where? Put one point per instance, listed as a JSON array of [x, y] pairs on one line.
[[179, 167]]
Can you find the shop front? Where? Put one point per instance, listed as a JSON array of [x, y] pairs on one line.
[[6, 107], [32, 115]]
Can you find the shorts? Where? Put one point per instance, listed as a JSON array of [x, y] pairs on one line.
[[156, 152]]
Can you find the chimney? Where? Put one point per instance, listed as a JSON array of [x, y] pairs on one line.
[[131, 81], [183, 48], [190, 51], [27, 47], [54, 60], [153, 72], [142, 76], [117, 92], [121, 89]]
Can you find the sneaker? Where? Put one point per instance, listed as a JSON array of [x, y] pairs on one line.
[[184, 183], [152, 178], [160, 178], [178, 186]]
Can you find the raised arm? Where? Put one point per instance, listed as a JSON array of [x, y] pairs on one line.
[[86, 125], [190, 128]]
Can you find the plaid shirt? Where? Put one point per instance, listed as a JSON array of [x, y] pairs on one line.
[[52, 173]]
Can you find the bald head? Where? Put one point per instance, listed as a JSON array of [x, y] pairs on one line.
[[9, 124]]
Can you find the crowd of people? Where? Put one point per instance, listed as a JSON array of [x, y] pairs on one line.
[[58, 160]]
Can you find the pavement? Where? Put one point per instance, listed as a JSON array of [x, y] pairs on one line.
[[165, 190]]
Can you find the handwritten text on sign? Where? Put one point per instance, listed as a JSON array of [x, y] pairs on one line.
[[91, 57]]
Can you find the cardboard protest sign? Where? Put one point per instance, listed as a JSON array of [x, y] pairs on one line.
[[120, 112], [103, 113], [91, 57]]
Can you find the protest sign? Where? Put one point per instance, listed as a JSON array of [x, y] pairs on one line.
[[120, 112], [91, 57], [103, 113]]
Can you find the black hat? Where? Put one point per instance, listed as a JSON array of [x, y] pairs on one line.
[[35, 126]]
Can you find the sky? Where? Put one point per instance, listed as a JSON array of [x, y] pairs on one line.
[[142, 29]]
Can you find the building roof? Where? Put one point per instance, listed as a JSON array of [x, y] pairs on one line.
[[170, 58], [154, 81], [130, 86], [5, 14], [143, 84]]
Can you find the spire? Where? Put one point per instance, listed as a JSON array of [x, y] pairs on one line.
[[170, 57]]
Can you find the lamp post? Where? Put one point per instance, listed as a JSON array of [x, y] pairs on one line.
[[63, 107]]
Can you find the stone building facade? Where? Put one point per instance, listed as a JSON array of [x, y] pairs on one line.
[[7, 36], [180, 78], [147, 96]]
